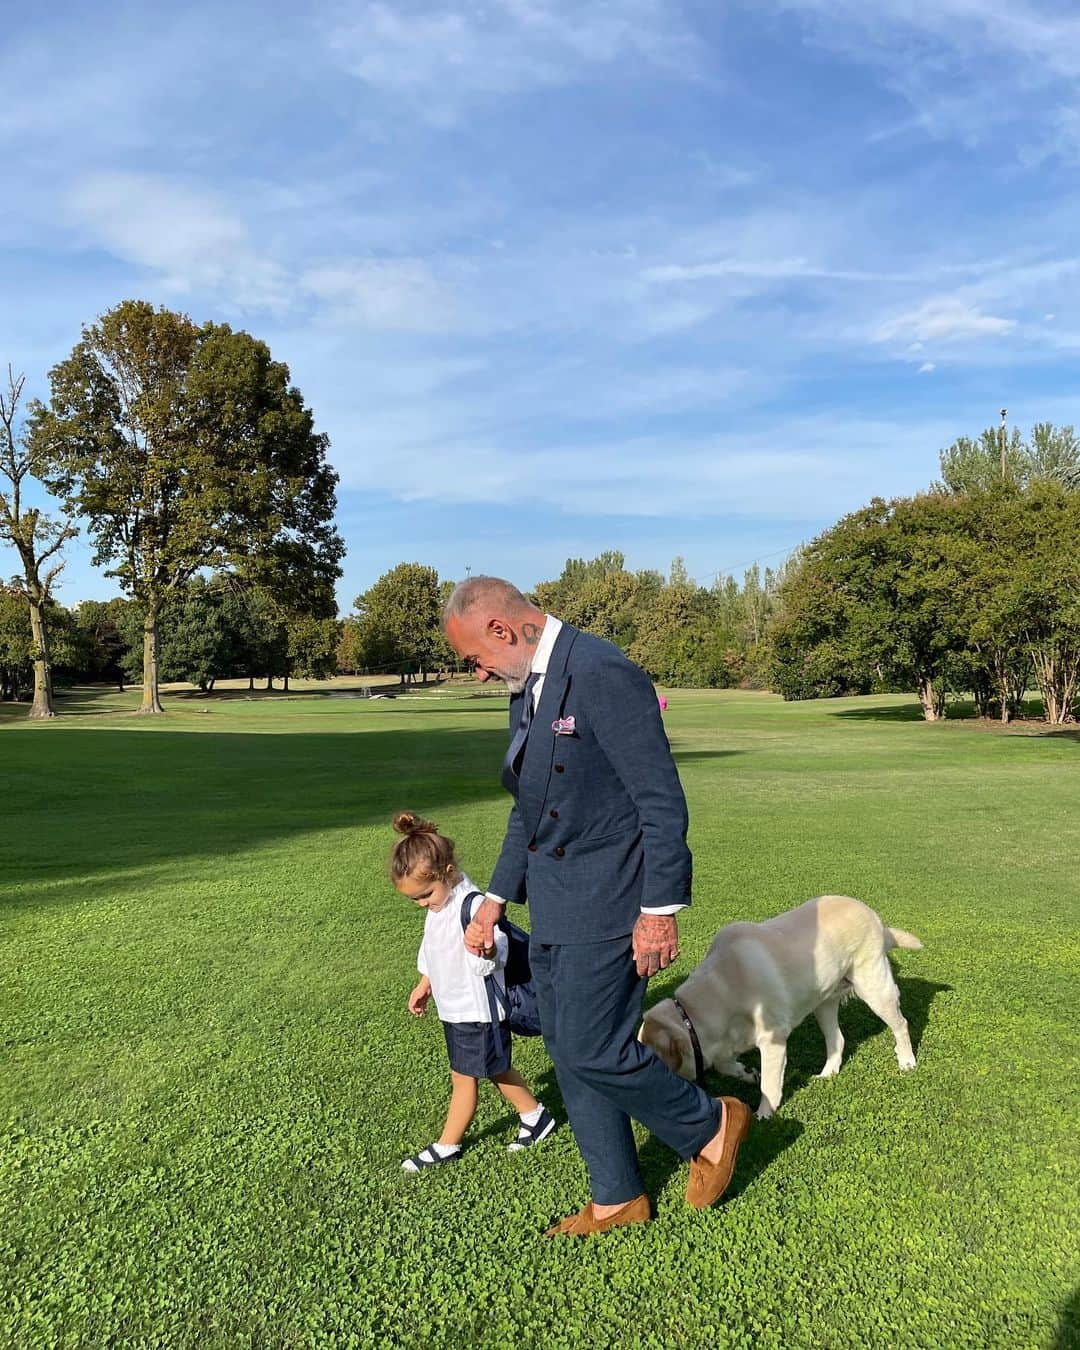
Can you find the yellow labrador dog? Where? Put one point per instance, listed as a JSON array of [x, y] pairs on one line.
[[759, 980]]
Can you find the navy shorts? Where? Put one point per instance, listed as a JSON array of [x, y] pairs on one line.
[[478, 1049]]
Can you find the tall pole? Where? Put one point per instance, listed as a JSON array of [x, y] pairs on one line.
[[1003, 412]]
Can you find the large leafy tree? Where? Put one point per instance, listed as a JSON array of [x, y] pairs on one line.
[[872, 603], [186, 448], [1043, 594], [398, 621], [682, 638], [35, 536]]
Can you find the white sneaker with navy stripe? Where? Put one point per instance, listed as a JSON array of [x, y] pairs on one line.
[[532, 1134]]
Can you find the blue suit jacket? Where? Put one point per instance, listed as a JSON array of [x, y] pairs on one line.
[[598, 826]]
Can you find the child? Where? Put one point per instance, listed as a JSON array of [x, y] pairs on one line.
[[423, 868]]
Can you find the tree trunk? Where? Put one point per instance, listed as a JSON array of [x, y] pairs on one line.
[[42, 705], [1057, 665], [1014, 681], [269, 683], [285, 682], [983, 690], [251, 684], [932, 700], [151, 702]]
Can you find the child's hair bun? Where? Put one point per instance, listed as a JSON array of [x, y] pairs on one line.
[[408, 822]]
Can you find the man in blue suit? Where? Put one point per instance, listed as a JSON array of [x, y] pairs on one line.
[[596, 843]]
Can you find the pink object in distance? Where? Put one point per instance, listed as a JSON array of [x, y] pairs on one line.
[[662, 701]]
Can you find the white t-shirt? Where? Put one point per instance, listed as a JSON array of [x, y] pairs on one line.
[[457, 977]]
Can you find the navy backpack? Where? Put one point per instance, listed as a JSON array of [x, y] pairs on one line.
[[522, 1014]]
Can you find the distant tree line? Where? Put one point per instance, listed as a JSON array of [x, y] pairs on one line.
[[193, 464], [972, 587], [680, 632], [208, 631]]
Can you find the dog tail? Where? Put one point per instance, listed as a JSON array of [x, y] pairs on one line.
[[896, 937]]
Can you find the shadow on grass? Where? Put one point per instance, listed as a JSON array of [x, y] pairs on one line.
[[108, 701], [886, 712], [1068, 1332], [1029, 721], [761, 1149], [806, 1047], [94, 806]]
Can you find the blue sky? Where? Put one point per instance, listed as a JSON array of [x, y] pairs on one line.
[[562, 275]]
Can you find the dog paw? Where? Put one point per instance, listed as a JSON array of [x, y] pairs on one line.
[[827, 1072], [764, 1111], [908, 1062]]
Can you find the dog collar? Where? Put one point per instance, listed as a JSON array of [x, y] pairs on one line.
[[699, 1058]]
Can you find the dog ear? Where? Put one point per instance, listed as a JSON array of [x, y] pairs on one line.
[[660, 1040]]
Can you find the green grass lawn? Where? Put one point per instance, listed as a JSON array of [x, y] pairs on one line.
[[208, 1078]]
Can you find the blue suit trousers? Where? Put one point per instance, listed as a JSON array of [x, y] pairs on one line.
[[590, 999]]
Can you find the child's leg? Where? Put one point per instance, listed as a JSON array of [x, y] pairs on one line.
[[516, 1091], [462, 1108], [537, 1122]]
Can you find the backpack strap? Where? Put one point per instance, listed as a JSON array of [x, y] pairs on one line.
[[490, 982], [466, 908]]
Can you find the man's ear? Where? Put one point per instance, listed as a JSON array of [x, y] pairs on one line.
[[500, 630]]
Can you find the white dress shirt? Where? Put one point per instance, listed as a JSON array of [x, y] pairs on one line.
[[540, 661], [457, 977]]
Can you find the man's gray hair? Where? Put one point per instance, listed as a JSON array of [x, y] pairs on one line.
[[491, 592]]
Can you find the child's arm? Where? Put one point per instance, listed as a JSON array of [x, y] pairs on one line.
[[418, 999]]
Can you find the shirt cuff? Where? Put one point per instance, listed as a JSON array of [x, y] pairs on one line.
[[660, 909], [490, 895]]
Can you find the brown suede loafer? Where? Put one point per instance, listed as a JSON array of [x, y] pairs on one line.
[[584, 1223], [709, 1180]]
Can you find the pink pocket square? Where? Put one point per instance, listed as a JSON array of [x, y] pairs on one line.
[[563, 726]]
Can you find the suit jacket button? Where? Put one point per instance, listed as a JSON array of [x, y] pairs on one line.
[[559, 768], [553, 814], [532, 847], [560, 852]]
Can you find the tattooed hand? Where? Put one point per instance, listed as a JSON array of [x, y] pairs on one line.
[[656, 942]]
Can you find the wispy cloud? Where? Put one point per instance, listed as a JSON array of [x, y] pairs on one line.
[[557, 261], [966, 67], [445, 54], [797, 468], [394, 293], [942, 319], [779, 269], [182, 233]]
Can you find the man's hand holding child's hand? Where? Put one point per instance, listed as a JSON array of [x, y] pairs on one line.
[[418, 999]]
